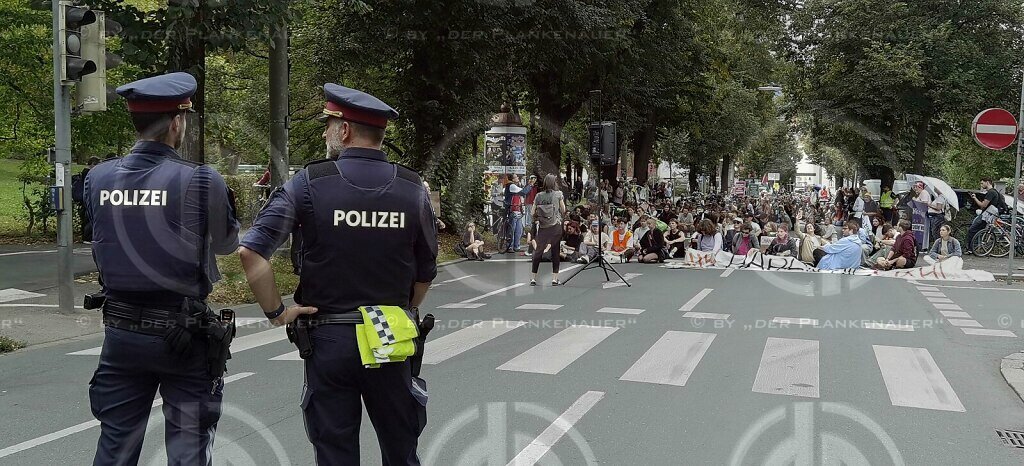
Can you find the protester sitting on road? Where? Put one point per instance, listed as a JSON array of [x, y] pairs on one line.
[[843, 254], [676, 241], [783, 245], [472, 244], [904, 253], [707, 237], [652, 244], [744, 241], [571, 240], [591, 241], [944, 247], [621, 242], [810, 239]]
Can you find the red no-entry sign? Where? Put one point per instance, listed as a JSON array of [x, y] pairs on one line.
[[995, 129]]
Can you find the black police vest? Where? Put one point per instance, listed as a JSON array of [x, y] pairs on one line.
[[140, 242], [358, 243]]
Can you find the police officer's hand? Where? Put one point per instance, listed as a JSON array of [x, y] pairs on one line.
[[291, 313]]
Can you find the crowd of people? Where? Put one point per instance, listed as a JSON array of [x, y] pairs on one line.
[[848, 230]]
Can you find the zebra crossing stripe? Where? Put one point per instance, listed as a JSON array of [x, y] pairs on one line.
[[671, 360], [693, 302], [556, 353], [914, 380], [933, 294], [788, 367], [460, 341], [965, 323]]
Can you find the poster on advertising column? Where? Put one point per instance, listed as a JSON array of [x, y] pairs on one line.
[[505, 149]]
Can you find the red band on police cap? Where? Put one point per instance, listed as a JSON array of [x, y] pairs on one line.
[[158, 106], [355, 115]]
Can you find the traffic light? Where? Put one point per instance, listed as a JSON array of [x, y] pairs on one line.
[[72, 64], [92, 93]]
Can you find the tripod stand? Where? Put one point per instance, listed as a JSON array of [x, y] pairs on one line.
[[600, 262]]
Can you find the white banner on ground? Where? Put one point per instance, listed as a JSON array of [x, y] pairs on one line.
[[950, 269]]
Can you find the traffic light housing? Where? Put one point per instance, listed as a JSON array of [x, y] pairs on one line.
[[73, 66], [91, 95]]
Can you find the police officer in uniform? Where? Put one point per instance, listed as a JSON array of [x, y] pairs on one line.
[[157, 222], [368, 240]]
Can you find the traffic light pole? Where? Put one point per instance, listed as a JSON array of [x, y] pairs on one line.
[[62, 130]]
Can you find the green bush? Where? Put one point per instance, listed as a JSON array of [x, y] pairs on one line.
[[35, 175]]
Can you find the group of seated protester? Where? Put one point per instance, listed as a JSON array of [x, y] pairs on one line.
[[788, 225]]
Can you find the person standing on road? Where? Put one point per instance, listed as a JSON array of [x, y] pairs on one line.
[[157, 222], [78, 196], [886, 201], [548, 211], [531, 196], [351, 210], [989, 207]]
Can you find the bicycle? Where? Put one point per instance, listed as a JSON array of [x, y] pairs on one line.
[[502, 228], [995, 240]]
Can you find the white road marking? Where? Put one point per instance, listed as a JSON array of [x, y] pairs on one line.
[[888, 326], [967, 287], [927, 288], [727, 272], [48, 306], [788, 367], [21, 253], [934, 294], [556, 353], [955, 314], [951, 307], [985, 332], [941, 300], [498, 291], [248, 321], [965, 323], [540, 307], [616, 284], [460, 341], [87, 352], [671, 360], [795, 321], [293, 356], [914, 380], [240, 344], [621, 310], [692, 303], [88, 425], [462, 305], [550, 436], [706, 315], [435, 285], [14, 294]]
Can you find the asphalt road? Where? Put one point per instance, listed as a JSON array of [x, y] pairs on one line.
[[34, 268], [868, 370]]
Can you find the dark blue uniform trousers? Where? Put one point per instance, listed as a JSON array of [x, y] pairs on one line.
[[132, 368], [335, 381]]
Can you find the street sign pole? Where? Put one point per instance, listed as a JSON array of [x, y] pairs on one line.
[[1016, 182], [62, 129]]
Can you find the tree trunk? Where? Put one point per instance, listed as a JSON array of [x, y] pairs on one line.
[[726, 163], [230, 158], [922, 143], [694, 185], [278, 70], [189, 54], [643, 148]]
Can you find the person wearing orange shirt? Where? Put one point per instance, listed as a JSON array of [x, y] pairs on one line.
[[621, 239]]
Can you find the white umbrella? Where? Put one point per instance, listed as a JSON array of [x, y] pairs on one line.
[[936, 186]]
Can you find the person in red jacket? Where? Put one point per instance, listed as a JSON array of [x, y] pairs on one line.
[[904, 253]]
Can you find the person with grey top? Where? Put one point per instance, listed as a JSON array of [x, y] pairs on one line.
[[945, 247], [548, 210]]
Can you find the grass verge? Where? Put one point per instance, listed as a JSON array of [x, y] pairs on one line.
[[8, 344], [233, 289]]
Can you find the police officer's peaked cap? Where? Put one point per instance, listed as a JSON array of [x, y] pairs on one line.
[[160, 94], [356, 106]]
